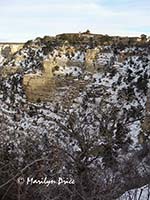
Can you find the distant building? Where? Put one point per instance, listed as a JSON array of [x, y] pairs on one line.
[[87, 34]]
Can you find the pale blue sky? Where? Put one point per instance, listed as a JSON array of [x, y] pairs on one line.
[[21, 20]]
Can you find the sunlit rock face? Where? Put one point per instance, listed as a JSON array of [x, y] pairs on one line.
[[90, 58], [19, 58], [7, 71], [16, 47], [10, 48], [48, 66]]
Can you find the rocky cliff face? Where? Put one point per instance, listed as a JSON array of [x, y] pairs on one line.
[[40, 86], [90, 59], [83, 103], [7, 49]]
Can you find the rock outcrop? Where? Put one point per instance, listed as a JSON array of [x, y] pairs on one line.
[[90, 59], [10, 48], [40, 86]]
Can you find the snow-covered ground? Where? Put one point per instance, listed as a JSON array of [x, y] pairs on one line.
[[70, 71], [142, 193]]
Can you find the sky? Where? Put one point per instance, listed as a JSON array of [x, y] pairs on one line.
[[22, 20]]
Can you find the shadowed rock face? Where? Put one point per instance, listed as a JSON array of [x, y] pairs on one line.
[[40, 86]]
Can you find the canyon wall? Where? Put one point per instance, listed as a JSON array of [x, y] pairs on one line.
[[10, 48]]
